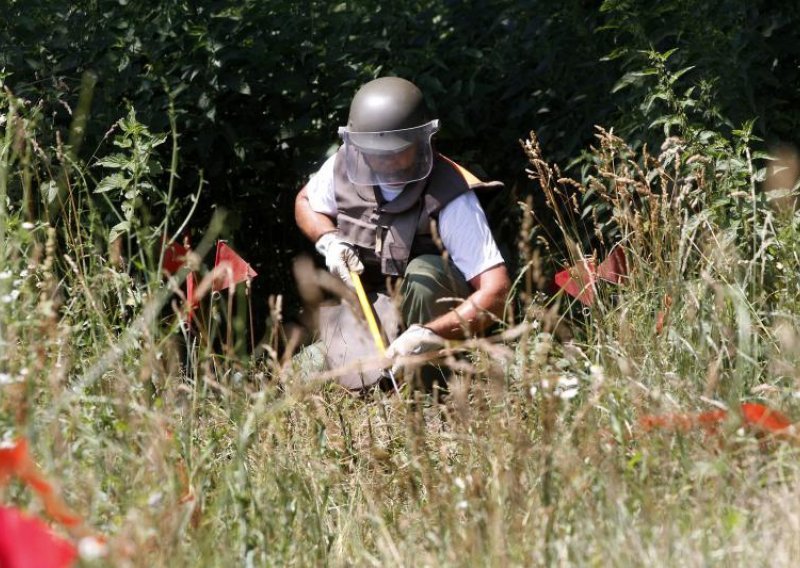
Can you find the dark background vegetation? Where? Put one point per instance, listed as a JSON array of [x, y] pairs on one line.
[[260, 86]]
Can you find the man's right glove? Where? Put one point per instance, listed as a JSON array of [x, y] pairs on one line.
[[416, 340], [340, 257]]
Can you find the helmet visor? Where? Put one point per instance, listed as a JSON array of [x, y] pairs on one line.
[[392, 157]]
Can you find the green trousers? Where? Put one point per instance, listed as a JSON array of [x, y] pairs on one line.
[[431, 287]]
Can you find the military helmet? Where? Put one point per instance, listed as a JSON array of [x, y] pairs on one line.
[[388, 103], [388, 116]]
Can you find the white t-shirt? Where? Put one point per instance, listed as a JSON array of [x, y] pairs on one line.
[[462, 226]]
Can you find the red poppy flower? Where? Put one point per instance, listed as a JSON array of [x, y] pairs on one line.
[[26, 542]]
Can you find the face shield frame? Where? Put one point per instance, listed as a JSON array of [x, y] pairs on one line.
[[390, 157]]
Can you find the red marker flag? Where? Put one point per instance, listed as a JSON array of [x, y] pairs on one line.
[[578, 281], [26, 542], [191, 302], [614, 268], [174, 257], [230, 269]]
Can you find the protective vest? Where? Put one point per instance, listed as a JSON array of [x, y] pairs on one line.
[[388, 234]]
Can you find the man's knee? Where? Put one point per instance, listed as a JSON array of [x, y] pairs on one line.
[[434, 272], [421, 274], [428, 282]]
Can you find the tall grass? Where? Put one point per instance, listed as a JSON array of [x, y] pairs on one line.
[[535, 455]]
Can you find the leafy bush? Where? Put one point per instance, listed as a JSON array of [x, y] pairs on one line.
[[258, 87]]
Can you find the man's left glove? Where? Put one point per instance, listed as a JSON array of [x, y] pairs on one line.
[[340, 257], [416, 340]]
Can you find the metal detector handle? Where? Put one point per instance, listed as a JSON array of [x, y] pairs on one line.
[[366, 307]]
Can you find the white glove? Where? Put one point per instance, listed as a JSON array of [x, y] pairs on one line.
[[416, 340], [340, 257]]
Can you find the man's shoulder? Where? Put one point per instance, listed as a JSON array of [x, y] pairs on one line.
[[465, 203], [470, 179]]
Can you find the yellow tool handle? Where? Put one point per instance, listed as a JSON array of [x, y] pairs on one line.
[[366, 307]]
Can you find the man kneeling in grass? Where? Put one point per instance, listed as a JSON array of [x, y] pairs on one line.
[[374, 208]]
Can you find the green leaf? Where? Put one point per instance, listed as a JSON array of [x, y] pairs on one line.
[[615, 54], [651, 99], [118, 229], [154, 167], [158, 139], [667, 54], [112, 182], [678, 74], [115, 161], [631, 78]]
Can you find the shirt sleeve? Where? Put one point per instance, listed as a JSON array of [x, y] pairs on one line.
[[466, 235], [319, 190]]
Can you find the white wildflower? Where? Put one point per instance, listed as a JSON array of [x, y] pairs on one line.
[[568, 394], [567, 382], [154, 499], [7, 442], [458, 482], [462, 505], [91, 548], [10, 297], [27, 225]]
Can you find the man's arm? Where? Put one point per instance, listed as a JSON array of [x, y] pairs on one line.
[[312, 224], [475, 313]]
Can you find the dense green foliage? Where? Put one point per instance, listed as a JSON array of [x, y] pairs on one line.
[[259, 87]]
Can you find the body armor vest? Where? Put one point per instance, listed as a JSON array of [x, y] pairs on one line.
[[388, 234]]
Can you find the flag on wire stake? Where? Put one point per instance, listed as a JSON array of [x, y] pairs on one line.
[[579, 281], [191, 302], [175, 255], [231, 269]]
